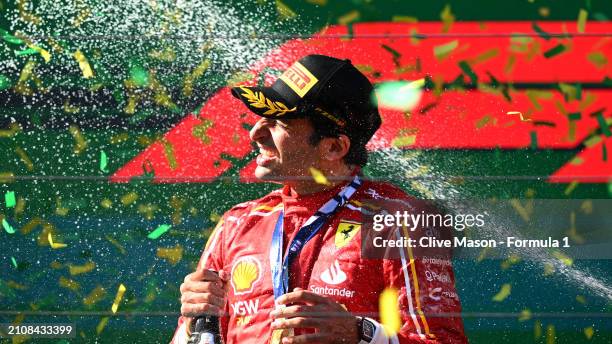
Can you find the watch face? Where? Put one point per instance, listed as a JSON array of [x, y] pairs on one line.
[[367, 330]]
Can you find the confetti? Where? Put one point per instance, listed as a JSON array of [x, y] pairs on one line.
[[102, 324], [582, 18], [581, 299], [193, 76], [118, 298], [598, 59], [525, 315], [443, 50], [284, 11], [81, 269], [523, 119], [550, 334], [396, 55], [404, 141], [94, 296], [589, 332], [69, 284], [534, 140], [158, 231], [54, 245], [80, 141], [349, 17], [447, 17], [399, 95], [465, 67], [5, 82], [14, 262], [169, 153], [25, 158], [503, 293], [103, 162], [605, 127], [405, 19], [139, 76], [554, 51], [7, 227], [563, 258], [537, 329], [389, 311], [318, 176], [172, 254], [571, 187], [83, 64], [129, 198], [200, 131], [540, 32], [9, 199], [116, 244]]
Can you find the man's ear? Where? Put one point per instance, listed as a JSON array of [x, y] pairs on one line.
[[335, 148]]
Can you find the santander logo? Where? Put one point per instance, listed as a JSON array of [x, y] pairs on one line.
[[333, 275]]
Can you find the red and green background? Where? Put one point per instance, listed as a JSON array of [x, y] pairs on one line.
[[177, 152]]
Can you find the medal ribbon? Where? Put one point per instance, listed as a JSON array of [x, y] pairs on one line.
[[280, 267]]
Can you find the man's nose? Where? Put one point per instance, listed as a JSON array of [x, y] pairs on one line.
[[259, 132]]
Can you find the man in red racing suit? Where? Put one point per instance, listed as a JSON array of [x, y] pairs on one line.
[[333, 287]]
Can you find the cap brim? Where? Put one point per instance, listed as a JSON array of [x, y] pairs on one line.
[[265, 102]]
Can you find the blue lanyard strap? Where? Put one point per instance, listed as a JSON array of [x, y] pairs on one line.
[[280, 267]]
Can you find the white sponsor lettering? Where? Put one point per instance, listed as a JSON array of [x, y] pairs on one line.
[[247, 307], [343, 292], [431, 276]]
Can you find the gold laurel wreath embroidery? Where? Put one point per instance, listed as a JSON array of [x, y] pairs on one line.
[[259, 101]]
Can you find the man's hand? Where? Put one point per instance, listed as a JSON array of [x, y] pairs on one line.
[[332, 322], [203, 292]]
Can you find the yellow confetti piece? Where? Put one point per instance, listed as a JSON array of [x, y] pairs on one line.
[[169, 153], [483, 57], [15, 285], [319, 177], [166, 55], [317, 2], [28, 227], [549, 269], [59, 210], [550, 334], [116, 244], [525, 315], [405, 19], [129, 198], [106, 203], [582, 18], [118, 298], [27, 15], [239, 78], [102, 325], [80, 141], [349, 17], [83, 64], [483, 254], [512, 260], [418, 171], [589, 332], [24, 158], [570, 188], [523, 211], [443, 50], [193, 76], [54, 245], [389, 311], [503, 293], [598, 59], [69, 284], [284, 11], [537, 329], [581, 299], [563, 258], [404, 141], [520, 114], [171, 254], [56, 265], [94, 296], [447, 17], [421, 188], [81, 269]]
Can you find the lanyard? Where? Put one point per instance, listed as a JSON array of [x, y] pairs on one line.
[[280, 267]]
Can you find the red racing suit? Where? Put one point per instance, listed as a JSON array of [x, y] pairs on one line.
[[330, 264]]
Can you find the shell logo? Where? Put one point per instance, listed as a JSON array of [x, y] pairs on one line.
[[246, 271]]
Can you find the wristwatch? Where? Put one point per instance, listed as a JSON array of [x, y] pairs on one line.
[[365, 330]]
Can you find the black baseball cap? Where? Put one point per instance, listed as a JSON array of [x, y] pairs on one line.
[[318, 85]]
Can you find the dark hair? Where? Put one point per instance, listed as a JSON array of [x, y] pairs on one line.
[[322, 127]]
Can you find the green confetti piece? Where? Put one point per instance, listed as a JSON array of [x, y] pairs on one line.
[[610, 188], [26, 52], [14, 262], [604, 152], [395, 53], [139, 75], [534, 140], [440, 51], [465, 67], [582, 17], [158, 231], [540, 32], [554, 51], [605, 128], [103, 162], [7, 37], [9, 199], [4, 82], [7, 227], [607, 81], [575, 116]]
